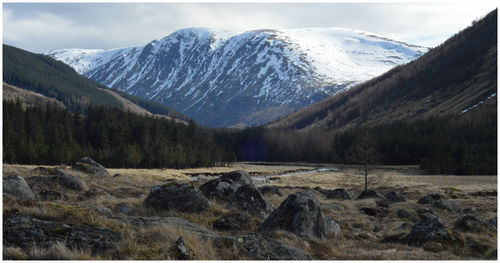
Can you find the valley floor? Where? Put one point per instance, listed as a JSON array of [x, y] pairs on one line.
[[117, 203]]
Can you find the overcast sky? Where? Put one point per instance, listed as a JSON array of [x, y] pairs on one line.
[[41, 27]]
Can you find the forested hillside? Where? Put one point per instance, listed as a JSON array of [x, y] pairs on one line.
[[445, 81]]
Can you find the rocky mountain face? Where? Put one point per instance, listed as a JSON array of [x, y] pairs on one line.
[[225, 78]]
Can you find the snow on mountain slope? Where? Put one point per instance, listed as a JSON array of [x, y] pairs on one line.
[[224, 78]]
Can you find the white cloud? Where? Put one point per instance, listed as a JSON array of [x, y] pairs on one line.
[[41, 27]]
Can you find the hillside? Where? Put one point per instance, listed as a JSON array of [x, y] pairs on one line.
[[40, 79], [450, 79], [28, 98], [223, 78]]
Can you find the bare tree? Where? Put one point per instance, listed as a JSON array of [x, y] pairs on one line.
[[364, 152]]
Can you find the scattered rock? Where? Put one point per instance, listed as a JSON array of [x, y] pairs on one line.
[[179, 250], [259, 247], [469, 210], [395, 197], [300, 214], [269, 189], [173, 221], [370, 194], [182, 197], [49, 171], [50, 195], [233, 222], [370, 211], [123, 208], [247, 198], [339, 193], [24, 231], [17, 187], [468, 223], [126, 192], [224, 186], [485, 193], [405, 215], [65, 180], [438, 201], [430, 229], [332, 227], [492, 223], [91, 193], [91, 167], [405, 226]]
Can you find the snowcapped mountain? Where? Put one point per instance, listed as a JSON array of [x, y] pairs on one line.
[[223, 78]]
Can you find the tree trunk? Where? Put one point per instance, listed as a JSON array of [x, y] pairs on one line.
[[366, 177]]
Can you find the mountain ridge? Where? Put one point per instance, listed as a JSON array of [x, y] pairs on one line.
[[221, 79]]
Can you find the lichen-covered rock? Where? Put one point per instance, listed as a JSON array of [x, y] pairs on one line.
[[406, 215], [300, 214], [259, 247], [233, 222], [16, 186], [395, 197], [224, 186], [63, 179], [339, 193], [25, 231], [182, 197], [247, 198], [91, 167], [431, 229]]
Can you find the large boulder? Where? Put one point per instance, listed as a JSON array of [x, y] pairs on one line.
[[247, 198], [300, 214], [89, 166], [438, 201], [224, 186], [24, 231], [339, 193], [430, 229], [61, 179], [16, 186], [395, 197], [233, 222], [259, 247], [182, 197]]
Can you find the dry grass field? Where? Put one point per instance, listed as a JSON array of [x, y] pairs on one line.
[[362, 235]]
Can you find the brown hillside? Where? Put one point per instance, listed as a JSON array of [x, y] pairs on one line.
[[28, 98], [450, 78]]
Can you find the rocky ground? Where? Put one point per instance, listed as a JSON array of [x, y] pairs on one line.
[[89, 212]]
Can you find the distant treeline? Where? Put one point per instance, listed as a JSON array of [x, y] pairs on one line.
[[111, 136], [461, 144]]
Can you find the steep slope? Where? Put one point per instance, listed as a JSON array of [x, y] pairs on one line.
[[451, 79], [28, 98], [45, 79], [226, 78]]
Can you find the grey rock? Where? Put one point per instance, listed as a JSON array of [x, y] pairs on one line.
[[406, 215], [332, 227], [492, 223], [247, 198], [89, 166], [24, 231], [430, 199], [91, 194], [334, 207], [269, 189], [64, 180], [49, 171], [259, 247], [405, 226], [17, 187], [179, 250], [182, 197], [370, 211], [469, 210], [395, 197], [50, 195], [300, 214], [103, 210], [224, 186], [339, 193], [233, 222], [173, 221], [438, 201], [468, 223]]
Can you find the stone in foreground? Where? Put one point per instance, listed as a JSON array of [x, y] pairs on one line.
[[16, 186], [182, 197]]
